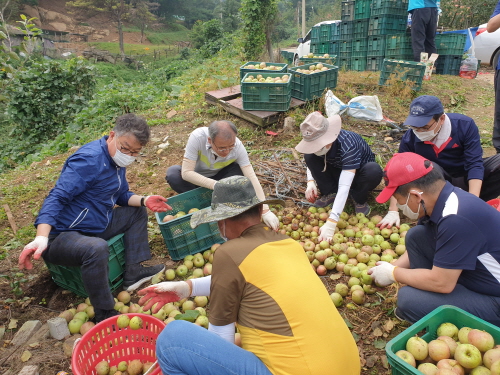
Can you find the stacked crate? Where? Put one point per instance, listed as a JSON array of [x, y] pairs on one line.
[[386, 32], [450, 48]]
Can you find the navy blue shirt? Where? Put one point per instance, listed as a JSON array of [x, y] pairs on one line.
[[495, 12], [349, 151], [466, 230], [461, 155]]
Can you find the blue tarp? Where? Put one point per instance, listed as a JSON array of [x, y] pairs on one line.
[[466, 32]]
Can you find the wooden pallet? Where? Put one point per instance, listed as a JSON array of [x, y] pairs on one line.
[[230, 99]]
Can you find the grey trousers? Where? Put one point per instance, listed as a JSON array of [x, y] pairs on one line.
[[91, 253], [413, 304]]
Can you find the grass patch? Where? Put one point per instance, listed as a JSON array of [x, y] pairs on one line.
[[159, 38]]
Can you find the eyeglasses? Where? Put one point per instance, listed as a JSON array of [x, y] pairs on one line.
[[224, 149], [125, 150], [424, 128]]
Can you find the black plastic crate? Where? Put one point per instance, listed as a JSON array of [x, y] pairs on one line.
[[266, 96], [359, 47], [387, 25], [360, 28], [448, 64], [309, 86], [410, 72], [362, 9], [450, 44], [347, 10], [389, 7], [376, 46], [346, 29], [358, 63], [345, 48], [374, 63]]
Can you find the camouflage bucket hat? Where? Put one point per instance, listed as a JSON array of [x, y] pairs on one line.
[[231, 196]]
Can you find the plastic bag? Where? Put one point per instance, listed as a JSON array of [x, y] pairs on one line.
[[468, 67], [333, 105], [365, 108]]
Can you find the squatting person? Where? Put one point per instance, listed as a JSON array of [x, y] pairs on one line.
[[451, 141], [281, 333], [79, 215], [453, 254], [213, 153], [340, 163]]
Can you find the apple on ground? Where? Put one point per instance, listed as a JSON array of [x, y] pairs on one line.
[[407, 357]]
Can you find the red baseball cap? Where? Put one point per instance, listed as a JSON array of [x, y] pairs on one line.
[[403, 168]]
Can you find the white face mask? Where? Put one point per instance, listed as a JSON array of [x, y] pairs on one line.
[[322, 151], [215, 153], [224, 230], [407, 210], [121, 159], [428, 135]]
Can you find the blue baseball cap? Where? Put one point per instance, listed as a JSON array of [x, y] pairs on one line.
[[422, 109]]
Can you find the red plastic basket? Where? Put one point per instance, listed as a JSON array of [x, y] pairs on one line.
[[495, 203], [106, 341]]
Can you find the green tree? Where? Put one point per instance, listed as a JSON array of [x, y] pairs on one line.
[[142, 15], [258, 18], [461, 14], [118, 10], [229, 13]]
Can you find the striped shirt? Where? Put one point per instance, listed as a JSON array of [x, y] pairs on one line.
[[349, 151]]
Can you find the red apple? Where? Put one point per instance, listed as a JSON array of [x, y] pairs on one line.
[[438, 350], [452, 344], [452, 365], [481, 340]]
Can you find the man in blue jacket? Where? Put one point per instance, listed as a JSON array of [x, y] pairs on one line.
[[424, 19], [452, 142], [494, 25], [79, 215]]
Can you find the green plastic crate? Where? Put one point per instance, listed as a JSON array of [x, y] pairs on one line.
[[324, 33], [70, 278], [362, 9], [376, 46], [392, 7], [309, 86], [335, 31], [244, 70], [359, 48], [326, 60], [180, 238], [374, 64], [387, 25], [398, 47], [429, 324], [347, 10], [360, 28], [334, 48], [315, 32], [448, 64], [265, 96], [450, 44], [315, 48], [288, 56], [346, 28], [358, 63], [324, 47], [344, 63], [407, 71], [345, 49]]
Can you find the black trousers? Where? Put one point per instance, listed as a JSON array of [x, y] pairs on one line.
[[174, 177], [423, 31], [365, 180], [496, 114], [491, 180]]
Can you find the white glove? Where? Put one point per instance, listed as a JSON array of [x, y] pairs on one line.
[[383, 273], [163, 293], [35, 248], [327, 231], [311, 191], [390, 219], [271, 220]]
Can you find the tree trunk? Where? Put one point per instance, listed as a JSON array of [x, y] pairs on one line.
[[120, 37], [269, 45], [142, 32]]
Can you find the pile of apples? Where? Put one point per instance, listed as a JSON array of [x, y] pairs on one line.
[[311, 55], [263, 66], [454, 352], [313, 68], [133, 367], [283, 79], [179, 214]]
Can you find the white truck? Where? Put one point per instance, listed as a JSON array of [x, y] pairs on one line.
[[304, 47]]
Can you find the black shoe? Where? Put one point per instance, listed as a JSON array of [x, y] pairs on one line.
[[137, 274], [101, 315]]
